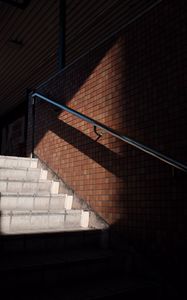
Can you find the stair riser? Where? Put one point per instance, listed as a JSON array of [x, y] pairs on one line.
[[49, 242], [33, 222], [17, 163], [29, 187], [31, 174], [35, 203]]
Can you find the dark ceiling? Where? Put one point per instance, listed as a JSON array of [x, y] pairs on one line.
[[22, 4]]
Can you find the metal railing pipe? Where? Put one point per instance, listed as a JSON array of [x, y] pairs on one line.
[[168, 160]]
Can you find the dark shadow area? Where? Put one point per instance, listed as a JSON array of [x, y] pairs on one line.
[[155, 108], [13, 132], [153, 215], [18, 4], [48, 263], [149, 260], [64, 85]]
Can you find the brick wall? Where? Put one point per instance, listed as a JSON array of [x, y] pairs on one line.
[[135, 83]]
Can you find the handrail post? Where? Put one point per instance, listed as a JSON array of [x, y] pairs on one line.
[[33, 102]]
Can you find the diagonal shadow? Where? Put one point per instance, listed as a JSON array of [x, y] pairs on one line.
[[63, 86], [67, 82], [102, 155]]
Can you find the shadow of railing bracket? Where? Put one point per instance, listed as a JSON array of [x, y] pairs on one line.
[[99, 134]]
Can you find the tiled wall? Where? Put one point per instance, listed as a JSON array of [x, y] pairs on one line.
[[134, 83]]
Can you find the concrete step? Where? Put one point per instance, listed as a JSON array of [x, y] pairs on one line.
[[95, 274], [17, 162], [49, 241], [32, 202], [20, 186], [22, 173], [36, 221]]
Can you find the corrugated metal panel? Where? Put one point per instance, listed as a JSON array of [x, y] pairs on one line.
[[89, 22], [37, 27]]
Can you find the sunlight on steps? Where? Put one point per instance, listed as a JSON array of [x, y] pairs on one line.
[[30, 202]]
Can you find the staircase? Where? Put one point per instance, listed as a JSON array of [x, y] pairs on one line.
[[46, 244], [32, 203]]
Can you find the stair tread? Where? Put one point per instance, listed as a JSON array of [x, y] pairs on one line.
[[30, 180], [18, 158], [48, 231], [42, 211], [20, 168], [31, 194]]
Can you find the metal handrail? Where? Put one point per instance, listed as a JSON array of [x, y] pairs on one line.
[[115, 133]]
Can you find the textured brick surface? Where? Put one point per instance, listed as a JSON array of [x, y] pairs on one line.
[[135, 83]]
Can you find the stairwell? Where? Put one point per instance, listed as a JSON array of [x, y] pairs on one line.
[[46, 243]]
